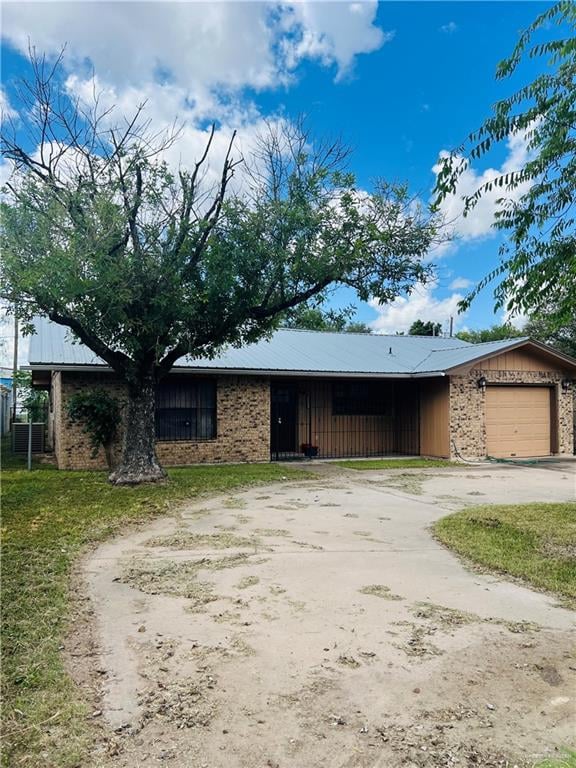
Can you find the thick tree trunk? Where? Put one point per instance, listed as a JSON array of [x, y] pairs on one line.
[[139, 463]]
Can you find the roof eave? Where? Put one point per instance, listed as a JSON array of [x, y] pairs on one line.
[[243, 371]]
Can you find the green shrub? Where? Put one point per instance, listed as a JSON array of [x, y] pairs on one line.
[[99, 414]]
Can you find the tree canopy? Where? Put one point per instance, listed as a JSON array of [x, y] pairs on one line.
[[315, 318], [536, 209], [539, 327], [561, 337], [494, 333], [146, 263], [425, 328]]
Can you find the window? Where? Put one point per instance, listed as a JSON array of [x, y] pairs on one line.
[[359, 398], [186, 409]]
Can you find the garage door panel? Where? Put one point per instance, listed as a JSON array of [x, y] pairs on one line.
[[518, 421]]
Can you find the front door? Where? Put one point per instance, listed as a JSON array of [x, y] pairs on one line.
[[284, 418]]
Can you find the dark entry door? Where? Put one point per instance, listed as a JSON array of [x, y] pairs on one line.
[[284, 418]]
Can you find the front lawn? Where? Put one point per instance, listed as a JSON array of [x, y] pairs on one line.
[[49, 518], [365, 464], [533, 542]]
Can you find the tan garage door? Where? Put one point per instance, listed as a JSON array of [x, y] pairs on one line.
[[517, 421]]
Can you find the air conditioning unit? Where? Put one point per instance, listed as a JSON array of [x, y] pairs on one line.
[[20, 433]]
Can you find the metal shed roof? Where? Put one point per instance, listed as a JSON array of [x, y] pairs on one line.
[[292, 352]]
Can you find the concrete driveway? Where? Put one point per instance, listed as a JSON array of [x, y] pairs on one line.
[[317, 623]]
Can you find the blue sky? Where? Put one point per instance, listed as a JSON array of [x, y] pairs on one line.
[[398, 81]]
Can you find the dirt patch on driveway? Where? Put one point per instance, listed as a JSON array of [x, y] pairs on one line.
[[314, 649]]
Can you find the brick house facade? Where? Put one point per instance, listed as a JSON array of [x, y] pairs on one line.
[[242, 432], [270, 402]]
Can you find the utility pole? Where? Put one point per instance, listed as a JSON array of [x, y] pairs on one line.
[[29, 439], [451, 325], [15, 368]]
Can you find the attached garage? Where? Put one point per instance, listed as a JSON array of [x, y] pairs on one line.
[[518, 421]]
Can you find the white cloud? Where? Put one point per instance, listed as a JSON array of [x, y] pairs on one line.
[[515, 319], [479, 220], [7, 111], [7, 342], [460, 284], [164, 106], [5, 172], [449, 28], [192, 61], [332, 32], [421, 304], [199, 46]]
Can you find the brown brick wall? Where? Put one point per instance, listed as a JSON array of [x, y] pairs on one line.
[[243, 424], [71, 444], [467, 409]]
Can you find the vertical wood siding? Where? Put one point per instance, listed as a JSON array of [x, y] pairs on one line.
[[435, 417], [395, 431], [519, 360]]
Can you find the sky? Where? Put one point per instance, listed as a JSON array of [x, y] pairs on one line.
[[400, 82]]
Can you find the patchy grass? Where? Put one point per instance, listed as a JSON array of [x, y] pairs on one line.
[[367, 464], [272, 532], [533, 542], [248, 581], [451, 618], [158, 577], [207, 541], [380, 590], [407, 482], [446, 618], [49, 518], [568, 760], [348, 661]]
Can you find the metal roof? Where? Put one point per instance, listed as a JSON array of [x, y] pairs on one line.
[[444, 359], [292, 352]]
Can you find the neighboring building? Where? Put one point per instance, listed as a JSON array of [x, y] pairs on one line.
[[5, 409], [6, 376], [334, 395], [6, 399]]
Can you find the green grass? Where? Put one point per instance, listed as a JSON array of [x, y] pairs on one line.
[[49, 518], [365, 464], [533, 542], [567, 761]]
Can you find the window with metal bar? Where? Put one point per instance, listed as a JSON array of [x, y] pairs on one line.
[[186, 409], [359, 398]]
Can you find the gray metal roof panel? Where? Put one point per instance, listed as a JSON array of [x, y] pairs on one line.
[[53, 344], [294, 351]]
